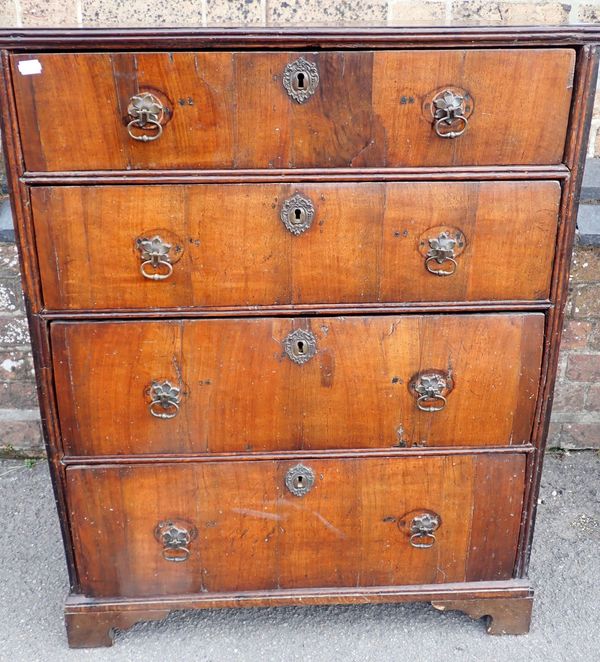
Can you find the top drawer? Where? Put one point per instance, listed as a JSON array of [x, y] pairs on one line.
[[232, 110]]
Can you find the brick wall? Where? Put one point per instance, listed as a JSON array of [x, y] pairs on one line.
[[576, 413]]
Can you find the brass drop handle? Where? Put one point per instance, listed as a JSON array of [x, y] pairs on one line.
[[430, 387], [165, 400], [175, 537], [299, 480], [147, 113], [422, 529], [442, 253], [449, 114], [154, 253]]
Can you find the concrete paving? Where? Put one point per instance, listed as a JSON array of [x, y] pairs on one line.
[[565, 571]]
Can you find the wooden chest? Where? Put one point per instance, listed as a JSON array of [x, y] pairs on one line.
[[296, 300]]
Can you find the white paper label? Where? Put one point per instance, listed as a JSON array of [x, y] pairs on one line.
[[30, 67]]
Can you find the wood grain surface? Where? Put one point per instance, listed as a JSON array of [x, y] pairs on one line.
[[367, 243], [242, 393], [230, 109], [252, 533]]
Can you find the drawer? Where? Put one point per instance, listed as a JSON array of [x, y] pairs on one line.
[[232, 110], [236, 526], [253, 385], [242, 245]]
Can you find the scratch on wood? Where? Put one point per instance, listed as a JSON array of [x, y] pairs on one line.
[[392, 330], [177, 369], [329, 525], [256, 513]]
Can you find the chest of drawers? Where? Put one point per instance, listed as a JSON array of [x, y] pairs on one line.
[[295, 300]]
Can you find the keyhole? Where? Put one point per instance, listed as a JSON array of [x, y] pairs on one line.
[[300, 347], [298, 216], [300, 80]]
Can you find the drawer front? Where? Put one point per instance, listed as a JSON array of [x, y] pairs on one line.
[[232, 110], [256, 385], [242, 245], [236, 526]]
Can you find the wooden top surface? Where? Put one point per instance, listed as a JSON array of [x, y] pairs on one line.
[[368, 36]]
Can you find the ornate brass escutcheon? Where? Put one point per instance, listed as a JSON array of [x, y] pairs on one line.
[[431, 388], [299, 480], [175, 537], [450, 113], [300, 346], [165, 399], [148, 114], [154, 253], [297, 214], [300, 79]]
